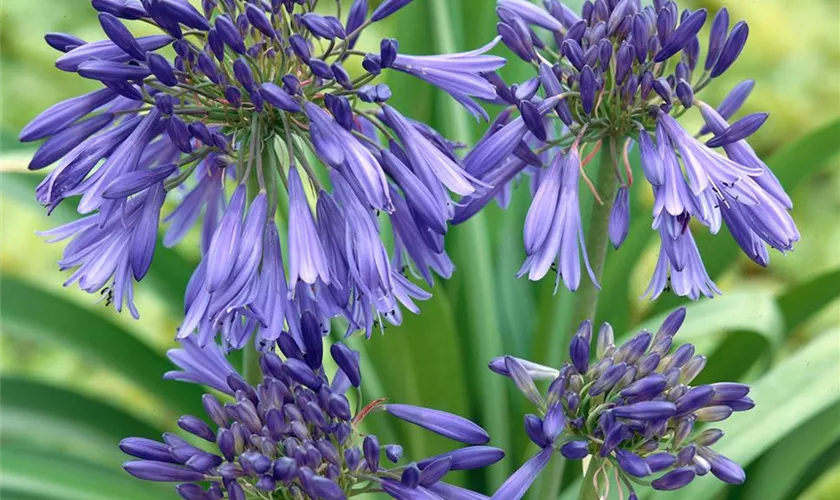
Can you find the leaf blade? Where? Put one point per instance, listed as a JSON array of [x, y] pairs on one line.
[[61, 420], [94, 336]]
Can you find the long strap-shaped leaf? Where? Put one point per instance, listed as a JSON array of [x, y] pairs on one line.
[[29, 473], [738, 311], [806, 299], [475, 260], [31, 313], [54, 419], [775, 476]]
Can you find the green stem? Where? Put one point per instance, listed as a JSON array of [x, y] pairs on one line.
[[251, 365], [588, 491], [597, 240]]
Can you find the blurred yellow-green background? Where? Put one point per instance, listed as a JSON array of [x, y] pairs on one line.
[[793, 54]]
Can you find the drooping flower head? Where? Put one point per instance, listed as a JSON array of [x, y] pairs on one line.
[[631, 408], [623, 74], [228, 131], [295, 435]]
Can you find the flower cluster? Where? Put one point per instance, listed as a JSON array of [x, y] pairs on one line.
[[294, 435], [229, 131], [632, 410], [621, 74]]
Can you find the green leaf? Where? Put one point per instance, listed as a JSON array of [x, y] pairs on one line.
[[31, 313], [824, 486], [801, 302], [59, 420], [515, 296], [792, 393], [808, 154], [475, 260], [775, 475], [734, 357], [822, 475], [31, 473], [708, 320]]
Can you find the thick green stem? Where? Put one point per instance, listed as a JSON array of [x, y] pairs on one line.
[[251, 365], [597, 240], [588, 490]]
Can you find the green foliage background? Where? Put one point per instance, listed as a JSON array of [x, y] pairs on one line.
[[76, 377]]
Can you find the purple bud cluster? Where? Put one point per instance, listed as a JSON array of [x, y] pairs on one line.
[[630, 407], [295, 434], [255, 91], [618, 75]]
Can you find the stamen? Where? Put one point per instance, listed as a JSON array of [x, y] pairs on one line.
[[627, 168], [586, 178], [367, 409]]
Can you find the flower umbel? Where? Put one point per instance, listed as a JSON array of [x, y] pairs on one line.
[[633, 410], [295, 435], [227, 131], [623, 74]]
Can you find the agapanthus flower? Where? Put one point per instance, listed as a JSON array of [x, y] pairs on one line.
[[227, 132], [296, 435], [630, 408], [624, 73]]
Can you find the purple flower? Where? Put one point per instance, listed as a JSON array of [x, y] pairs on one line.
[[517, 485], [531, 14], [606, 55], [553, 227], [470, 457], [159, 471], [686, 277], [534, 370], [432, 165], [64, 142], [674, 480], [620, 218], [109, 254], [106, 50], [283, 436], [339, 149], [460, 75], [60, 116], [491, 151], [307, 260], [445, 424], [111, 149], [222, 293]]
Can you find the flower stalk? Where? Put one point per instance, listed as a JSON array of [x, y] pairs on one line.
[[251, 370], [588, 488], [586, 300]]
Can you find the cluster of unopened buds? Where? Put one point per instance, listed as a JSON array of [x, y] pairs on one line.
[[632, 410], [295, 435]]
